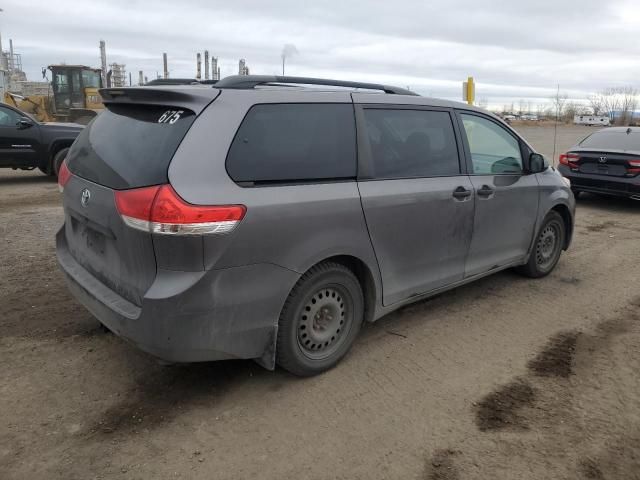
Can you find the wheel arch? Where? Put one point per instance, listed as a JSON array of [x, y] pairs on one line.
[[567, 219], [55, 147], [363, 272]]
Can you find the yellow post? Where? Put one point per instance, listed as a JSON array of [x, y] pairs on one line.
[[471, 90]]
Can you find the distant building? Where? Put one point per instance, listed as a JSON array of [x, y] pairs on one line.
[[243, 68], [27, 88], [4, 83], [118, 75]]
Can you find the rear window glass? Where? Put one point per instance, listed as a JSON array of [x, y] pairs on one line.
[[294, 142], [129, 146], [617, 140]]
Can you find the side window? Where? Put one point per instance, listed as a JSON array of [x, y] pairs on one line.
[[290, 142], [493, 149], [8, 118], [411, 143]]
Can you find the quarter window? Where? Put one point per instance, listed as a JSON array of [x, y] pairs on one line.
[[411, 143], [493, 149], [294, 142]]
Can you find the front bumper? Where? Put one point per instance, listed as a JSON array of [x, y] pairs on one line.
[[191, 316], [618, 186]]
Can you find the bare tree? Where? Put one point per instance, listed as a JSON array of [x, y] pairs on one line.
[[559, 101], [570, 111], [596, 103], [521, 106], [610, 101], [628, 103], [545, 110]]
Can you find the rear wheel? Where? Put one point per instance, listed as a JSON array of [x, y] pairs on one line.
[[320, 320], [58, 158], [547, 248]]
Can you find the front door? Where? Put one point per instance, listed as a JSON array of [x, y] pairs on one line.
[[18, 145], [506, 198], [418, 204]]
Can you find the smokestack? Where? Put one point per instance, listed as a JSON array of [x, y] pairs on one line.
[[130, 82], [198, 66], [164, 63], [146, 79], [11, 64], [215, 71], [140, 78], [206, 64], [103, 62]]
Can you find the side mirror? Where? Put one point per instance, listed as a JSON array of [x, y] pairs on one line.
[[536, 163], [24, 123]]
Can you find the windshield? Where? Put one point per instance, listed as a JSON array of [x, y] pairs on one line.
[[90, 79], [612, 140]]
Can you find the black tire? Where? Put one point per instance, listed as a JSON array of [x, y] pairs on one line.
[[320, 320], [46, 171], [58, 158], [547, 247]]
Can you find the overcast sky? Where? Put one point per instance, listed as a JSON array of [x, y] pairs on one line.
[[515, 49]]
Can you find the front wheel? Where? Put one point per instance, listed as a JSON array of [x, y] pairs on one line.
[[547, 247], [320, 320]]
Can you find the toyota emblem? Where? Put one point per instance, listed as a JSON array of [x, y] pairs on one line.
[[603, 160], [85, 196]]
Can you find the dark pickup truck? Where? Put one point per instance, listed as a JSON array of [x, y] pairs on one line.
[[27, 144]]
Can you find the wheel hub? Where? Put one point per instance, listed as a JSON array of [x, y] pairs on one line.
[[322, 320], [547, 244]]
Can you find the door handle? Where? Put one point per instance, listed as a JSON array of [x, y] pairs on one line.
[[461, 193], [485, 191]]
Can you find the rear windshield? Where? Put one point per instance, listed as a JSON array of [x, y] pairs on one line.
[[129, 146], [608, 140]]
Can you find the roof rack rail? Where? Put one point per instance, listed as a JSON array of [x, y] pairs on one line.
[[246, 82]]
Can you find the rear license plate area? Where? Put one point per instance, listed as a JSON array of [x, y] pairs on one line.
[[85, 235], [95, 240]]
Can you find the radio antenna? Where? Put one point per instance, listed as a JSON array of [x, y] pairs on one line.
[[555, 128]]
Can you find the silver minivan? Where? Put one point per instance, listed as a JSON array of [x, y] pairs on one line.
[[268, 217]]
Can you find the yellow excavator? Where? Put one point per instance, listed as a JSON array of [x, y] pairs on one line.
[[74, 96]]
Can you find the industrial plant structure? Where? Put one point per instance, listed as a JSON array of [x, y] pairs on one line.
[[243, 68]]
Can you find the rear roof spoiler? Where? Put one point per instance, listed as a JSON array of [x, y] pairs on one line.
[[193, 98]]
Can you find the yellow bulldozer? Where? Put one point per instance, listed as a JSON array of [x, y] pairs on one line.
[[73, 96]]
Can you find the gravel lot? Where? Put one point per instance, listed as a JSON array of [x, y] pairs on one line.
[[502, 379]]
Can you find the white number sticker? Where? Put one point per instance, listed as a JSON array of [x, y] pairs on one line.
[[170, 116]]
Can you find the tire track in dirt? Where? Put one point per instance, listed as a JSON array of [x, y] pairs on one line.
[[549, 402]]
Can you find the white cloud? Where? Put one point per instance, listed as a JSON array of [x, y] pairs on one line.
[[514, 49]]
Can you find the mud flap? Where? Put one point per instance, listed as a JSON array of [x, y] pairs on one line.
[[268, 358]]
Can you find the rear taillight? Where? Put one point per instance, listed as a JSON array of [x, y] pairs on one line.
[[570, 160], [63, 176], [633, 168], [159, 209]]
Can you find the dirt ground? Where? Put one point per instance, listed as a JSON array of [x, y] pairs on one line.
[[502, 379]]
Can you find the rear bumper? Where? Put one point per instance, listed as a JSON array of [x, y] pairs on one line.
[[191, 316], [618, 186]]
